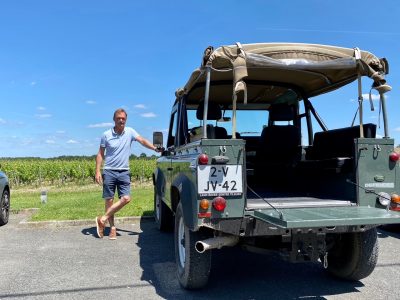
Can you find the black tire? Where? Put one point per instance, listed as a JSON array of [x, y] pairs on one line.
[[162, 213], [193, 268], [4, 207], [354, 255]]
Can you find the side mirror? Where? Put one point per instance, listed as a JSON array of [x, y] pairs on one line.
[[158, 139]]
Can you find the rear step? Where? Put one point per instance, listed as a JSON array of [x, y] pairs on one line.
[[295, 202], [327, 216]]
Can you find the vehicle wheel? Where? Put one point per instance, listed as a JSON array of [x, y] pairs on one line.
[[354, 255], [162, 213], [193, 268], [4, 207]]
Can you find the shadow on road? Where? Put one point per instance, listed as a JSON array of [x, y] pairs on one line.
[[236, 274], [390, 230], [93, 231]]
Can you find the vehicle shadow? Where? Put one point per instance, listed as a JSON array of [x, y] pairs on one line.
[[236, 274], [390, 230]]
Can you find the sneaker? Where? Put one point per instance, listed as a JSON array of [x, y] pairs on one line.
[[99, 227], [113, 233]]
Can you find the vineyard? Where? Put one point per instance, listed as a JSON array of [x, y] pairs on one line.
[[38, 171]]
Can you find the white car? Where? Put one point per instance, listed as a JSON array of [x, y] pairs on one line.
[[5, 199]]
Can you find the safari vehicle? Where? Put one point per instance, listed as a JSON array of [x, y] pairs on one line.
[[250, 162]]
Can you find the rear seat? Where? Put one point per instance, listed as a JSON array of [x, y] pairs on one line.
[[213, 132], [334, 149], [279, 148]]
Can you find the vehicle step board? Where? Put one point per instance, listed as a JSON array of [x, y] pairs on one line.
[[297, 202], [327, 216]]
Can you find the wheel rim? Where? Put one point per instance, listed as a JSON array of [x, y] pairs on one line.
[[181, 242], [6, 205], [157, 208]]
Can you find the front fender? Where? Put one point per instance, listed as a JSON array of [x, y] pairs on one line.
[[188, 198], [159, 182]]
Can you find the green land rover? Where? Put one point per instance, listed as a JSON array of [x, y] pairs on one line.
[[248, 160]]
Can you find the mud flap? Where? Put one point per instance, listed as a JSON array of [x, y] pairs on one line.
[[327, 216]]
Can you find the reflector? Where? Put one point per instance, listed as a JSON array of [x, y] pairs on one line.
[[394, 156], [203, 159]]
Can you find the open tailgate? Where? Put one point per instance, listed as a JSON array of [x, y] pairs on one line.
[[328, 216]]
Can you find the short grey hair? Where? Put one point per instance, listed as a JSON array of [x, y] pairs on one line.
[[120, 110]]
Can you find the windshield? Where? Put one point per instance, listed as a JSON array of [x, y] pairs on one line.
[[248, 122]]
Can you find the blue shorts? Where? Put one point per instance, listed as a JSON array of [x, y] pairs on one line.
[[120, 179]]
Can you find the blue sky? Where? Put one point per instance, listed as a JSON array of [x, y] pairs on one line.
[[65, 66]]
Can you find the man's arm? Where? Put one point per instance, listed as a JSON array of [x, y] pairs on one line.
[[99, 161], [146, 143]]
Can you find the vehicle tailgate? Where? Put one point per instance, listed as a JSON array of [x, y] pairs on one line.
[[327, 216]]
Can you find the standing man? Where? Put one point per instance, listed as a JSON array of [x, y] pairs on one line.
[[115, 149]]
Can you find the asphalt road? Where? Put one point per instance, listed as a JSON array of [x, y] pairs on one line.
[[71, 263]]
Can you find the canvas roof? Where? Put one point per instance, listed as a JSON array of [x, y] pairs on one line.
[[257, 70]]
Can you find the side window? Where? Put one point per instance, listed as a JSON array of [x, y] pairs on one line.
[[172, 129]]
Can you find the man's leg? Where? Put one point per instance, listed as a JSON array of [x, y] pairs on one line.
[[108, 204], [113, 230], [109, 184], [123, 184], [115, 207]]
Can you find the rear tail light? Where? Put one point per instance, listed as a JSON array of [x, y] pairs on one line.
[[204, 204], [394, 156], [219, 203], [203, 211], [203, 159], [395, 198], [395, 204]]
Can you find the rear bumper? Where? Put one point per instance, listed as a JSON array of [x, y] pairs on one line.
[[250, 226]]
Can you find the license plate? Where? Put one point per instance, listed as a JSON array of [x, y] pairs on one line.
[[219, 180]]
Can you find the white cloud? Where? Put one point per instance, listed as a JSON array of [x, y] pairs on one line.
[[141, 106], [50, 142], [26, 142], [149, 115], [41, 108], [90, 102], [33, 83], [100, 125], [43, 116], [72, 142], [373, 97], [60, 131], [378, 136], [397, 129], [2, 121]]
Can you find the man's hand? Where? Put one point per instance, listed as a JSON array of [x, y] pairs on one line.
[[99, 178], [159, 149]]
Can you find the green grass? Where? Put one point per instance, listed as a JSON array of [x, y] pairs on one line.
[[76, 203]]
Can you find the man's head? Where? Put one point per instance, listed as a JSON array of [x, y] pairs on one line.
[[119, 118]]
